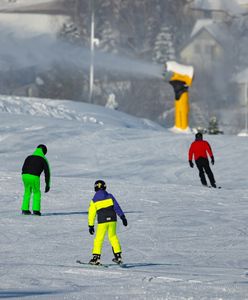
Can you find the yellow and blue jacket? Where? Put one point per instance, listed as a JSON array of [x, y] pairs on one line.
[[105, 206]]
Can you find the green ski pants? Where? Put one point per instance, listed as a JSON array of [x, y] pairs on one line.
[[31, 186]]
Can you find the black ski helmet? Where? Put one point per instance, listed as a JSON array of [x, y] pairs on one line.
[[100, 185], [198, 136], [43, 148]]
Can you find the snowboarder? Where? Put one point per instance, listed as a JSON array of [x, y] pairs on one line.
[[32, 168], [105, 206], [200, 149]]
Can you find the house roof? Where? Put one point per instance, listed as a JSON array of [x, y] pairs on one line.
[[31, 6], [231, 7], [199, 24], [217, 30], [242, 2], [241, 77]]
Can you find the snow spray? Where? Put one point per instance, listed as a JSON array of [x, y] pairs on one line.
[[42, 51]]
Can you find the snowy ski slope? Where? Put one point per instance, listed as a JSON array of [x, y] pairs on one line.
[[183, 241]]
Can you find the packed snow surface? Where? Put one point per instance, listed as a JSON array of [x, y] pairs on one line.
[[183, 241]]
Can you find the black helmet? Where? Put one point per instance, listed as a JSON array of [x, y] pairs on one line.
[[198, 136], [100, 185], [44, 148]]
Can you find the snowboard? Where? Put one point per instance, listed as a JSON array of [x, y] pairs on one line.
[[209, 186], [218, 187], [85, 264]]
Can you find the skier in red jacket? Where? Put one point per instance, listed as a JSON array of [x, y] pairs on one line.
[[200, 149]]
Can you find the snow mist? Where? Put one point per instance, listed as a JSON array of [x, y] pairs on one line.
[[20, 51]]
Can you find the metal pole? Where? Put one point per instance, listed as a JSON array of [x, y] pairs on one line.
[[246, 104], [92, 40]]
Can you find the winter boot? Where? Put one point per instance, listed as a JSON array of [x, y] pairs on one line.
[[95, 259], [26, 212], [117, 259], [37, 213]]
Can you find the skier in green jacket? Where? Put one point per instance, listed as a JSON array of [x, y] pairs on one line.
[[32, 168]]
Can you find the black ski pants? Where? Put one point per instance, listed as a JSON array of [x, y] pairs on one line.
[[203, 167]]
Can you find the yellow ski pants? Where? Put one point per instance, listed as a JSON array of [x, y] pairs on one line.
[[100, 234]]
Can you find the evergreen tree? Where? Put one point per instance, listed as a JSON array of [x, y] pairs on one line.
[[111, 102], [163, 48], [213, 127], [109, 38]]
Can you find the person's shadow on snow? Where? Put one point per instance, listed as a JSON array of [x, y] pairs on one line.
[[77, 213], [65, 213]]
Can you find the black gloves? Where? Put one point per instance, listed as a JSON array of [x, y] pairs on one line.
[[47, 189], [212, 160], [191, 164], [124, 220], [91, 230]]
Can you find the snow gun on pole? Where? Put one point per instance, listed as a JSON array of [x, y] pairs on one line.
[[181, 78]]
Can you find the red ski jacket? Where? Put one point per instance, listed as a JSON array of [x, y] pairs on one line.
[[200, 149]]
